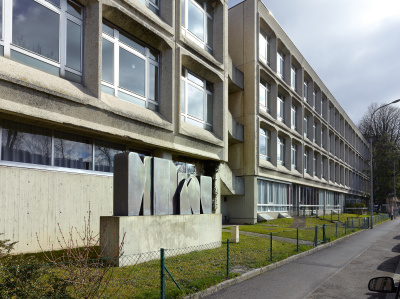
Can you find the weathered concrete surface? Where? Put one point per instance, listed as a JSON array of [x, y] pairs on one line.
[[150, 233]]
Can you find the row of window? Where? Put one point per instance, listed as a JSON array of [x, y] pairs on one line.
[[48, 35], [24, 143], [265, 153], [311, 99]]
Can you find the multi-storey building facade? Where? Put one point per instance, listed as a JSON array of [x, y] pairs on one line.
[[83, 80], [301, 150]]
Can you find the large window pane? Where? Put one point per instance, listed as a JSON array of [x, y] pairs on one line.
[[1, 19], [195, 20], [182, 96], [25, 143], [131, 72], [183, 12], [104, 155], [73, 151], [263, 148], [107, 65], [36, 28], [153, 82], [73, 45], [195, 102]]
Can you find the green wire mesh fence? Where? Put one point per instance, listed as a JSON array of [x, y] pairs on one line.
[[168, 273]]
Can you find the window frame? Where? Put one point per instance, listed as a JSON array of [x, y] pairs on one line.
[[94, 144], [293, 77], [64, 17], [293, 117], [207, 44], [293, 155], [314, 165], [149, 3], [280, 157], [264, 39], [306, 155], [305, 90], [266, 90], [266, 135], [185, 115], [280, 108], [315, 132], [305, 126], [117, 45], [280, 64], [314, 99]]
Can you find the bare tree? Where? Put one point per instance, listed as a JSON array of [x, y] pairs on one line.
[[386, 121]]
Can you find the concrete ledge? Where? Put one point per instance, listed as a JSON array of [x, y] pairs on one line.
[[259, 271]]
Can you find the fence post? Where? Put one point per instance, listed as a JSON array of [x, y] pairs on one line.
[[345, 227], [297, 239], [316, 236], [331, 215], [162, 274], [336, 229], [270, 252], [227, 258], [323, 233]]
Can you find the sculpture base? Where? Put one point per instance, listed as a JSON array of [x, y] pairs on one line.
[[146, 235]]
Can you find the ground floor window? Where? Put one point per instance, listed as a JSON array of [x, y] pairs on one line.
[[273, 196], [25, 143]]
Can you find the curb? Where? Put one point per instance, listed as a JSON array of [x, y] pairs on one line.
[[259, 271]]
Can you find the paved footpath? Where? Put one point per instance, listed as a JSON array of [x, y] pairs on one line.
[[342, 270]]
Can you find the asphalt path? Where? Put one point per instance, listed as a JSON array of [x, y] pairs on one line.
[[342, 270]]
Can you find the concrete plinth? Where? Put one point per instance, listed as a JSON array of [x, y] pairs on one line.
[[146, 234], [235, 233]]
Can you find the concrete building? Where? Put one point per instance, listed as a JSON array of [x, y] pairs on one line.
[[301, 151], [82, 80]]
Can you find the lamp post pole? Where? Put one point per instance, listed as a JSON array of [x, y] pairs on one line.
[[372, 175]]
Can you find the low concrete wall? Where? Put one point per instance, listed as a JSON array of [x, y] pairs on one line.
[[145, 234], [37, 201]]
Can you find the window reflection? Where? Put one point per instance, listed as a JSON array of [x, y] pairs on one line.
[[104, 155], [25, 143], [36, 28], [73, 151], [73, 45]]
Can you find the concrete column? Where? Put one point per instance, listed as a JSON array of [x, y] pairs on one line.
[[274, 99], [288, 152], [273, 46], [92, 48]]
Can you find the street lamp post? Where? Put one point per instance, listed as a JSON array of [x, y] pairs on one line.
[[372, 176]]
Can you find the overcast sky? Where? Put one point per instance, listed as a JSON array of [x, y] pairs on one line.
[[353, 46]]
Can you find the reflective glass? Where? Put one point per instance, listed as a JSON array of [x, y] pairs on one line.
[[73, 46], [131, 99], [153, 82], [1, 51], [131, 72], [1, 19], [131, 43], [262, 43], [209, 112], [183, 12], [107, 29], [195, 79], [107, 90], [36, 28], [55, 2], [196, 20], [73, 151], [209, 32], [263, 148], [262, 96], [38, 64], [74, 9], [73, 77], [104, 155], [25, 143], [107, 65], [195, 98]]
